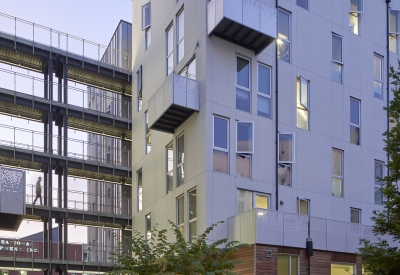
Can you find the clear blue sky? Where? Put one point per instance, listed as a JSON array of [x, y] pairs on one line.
[[94, 20]]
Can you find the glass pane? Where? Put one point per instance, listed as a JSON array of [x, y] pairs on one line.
[[283, 265], [181, 50], [170, 157], [220, 133], [243, 73], [354, 135], [181, 148], [394, 21], [377, 67], [148, 37], [378, 196], [181, 210], [192, 231], [337, 162], [242, 100], [181, 175], [148, 144], [170, 65], [192, 205], [294, 266], [262, 201], [303, 207], [302, 119], [336, 48], [264, 106], [170, 182], [377, 89], [264, 80], [243, 165], [170, 39], [393, 43], [286, 148], [337, 187], [355, 111], [245, 200], [284, 174], [283, 50], [148, 227], [220, 161], [192, 69], [146, 15], [378, 172], [353, 26], [304, 92], [181, 25], [336, 72], [303, 4], [356, 5], [355, 215], [244, 137], [342, 269], [283, 25]]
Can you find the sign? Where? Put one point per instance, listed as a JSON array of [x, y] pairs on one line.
[[18, 246]]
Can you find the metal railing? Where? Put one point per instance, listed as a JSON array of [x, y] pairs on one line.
[[86, 201], [26, 84], [38, 34], [35, 250], [77, 149]]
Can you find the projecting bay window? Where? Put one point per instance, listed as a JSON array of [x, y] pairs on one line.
[[394, 29], [337, 58], [264, 91], [139, 190], [180, 160], [170, 167], [283, 41], [356, 8], [303, 94], [139, 88], [337, 172], [148, 226], [242, 84], [303, 206], [378, 78], [355, 121], [244, 148], [192, 215], [170, 48], [378, 196], [180, 213], [148, 133], [220, 147], [180, 34], [247, 200]]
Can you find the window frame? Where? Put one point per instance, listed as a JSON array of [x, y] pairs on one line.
[[284, 40], [359, 10], [171, 171], [169, 54], [358, 212], [299, 105], [333, 61], [308, 5], [294, 148], [359, 120], [146, 229], [269, 97], [299, 200], [290, 262], [216, 148], [375, 180], [185, 70], [195, 218], [147, 37], [182, 163], [290, 173], [252, 141], [139, 197], [255, 194], [248, 90], [147, 133], [182, 40], [180, 225], [380, 57], [139, 87], [397, 32], [337, 176], [145, 27]]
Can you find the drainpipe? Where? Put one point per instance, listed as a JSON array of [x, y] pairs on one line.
[[387, 70], [276, 124]]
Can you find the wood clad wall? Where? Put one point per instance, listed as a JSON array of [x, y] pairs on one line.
[[246, 255]]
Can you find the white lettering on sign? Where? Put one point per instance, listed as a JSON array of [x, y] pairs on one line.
[[7, 245]]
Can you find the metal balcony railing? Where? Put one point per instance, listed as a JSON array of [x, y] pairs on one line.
[[77, 149], [113, 204], [37, 34], [33, 86]]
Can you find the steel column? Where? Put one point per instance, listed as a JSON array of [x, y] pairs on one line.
[[60, 238], [46, 84], [65, 78], [50, 222], [50, 72], [45, 238], [59, 89]]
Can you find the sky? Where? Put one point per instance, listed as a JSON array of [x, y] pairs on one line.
[[94, 20]]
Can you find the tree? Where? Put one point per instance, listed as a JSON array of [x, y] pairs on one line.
[[137, 256], [380, 258]]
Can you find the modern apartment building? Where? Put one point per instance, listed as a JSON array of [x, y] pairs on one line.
[[267, 115]]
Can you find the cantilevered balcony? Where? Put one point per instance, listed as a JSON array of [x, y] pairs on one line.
[[248, 23], [173, 103]]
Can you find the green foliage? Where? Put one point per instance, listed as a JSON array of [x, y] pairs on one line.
[[136, 256], [379, 258]]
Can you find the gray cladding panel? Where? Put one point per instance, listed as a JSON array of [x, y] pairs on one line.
[[12, 191]]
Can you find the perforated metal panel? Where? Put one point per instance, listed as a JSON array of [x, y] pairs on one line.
[[12, 191]]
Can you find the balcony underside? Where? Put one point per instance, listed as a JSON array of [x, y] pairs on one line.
[[10, 222], [172, 118], [241, 35]]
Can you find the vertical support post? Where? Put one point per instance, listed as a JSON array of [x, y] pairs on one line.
[[60, 238], [59, 89], [46, 84], [50, 133], [66, 218], [50, 72], [45, 237], [50, 221], [65, 79]]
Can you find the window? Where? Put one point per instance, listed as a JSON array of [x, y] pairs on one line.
[[180, 36], [337, 60], [355, 215], [244, 148], [264, 91], [303, 94], [170, 49], [356, 8], [147, 37], [337, 172], [247, 200], [394, 29], [180, 212], [220, 148], [148, 226], [148, 133], [378, 79], [146, 16], [283, 41], [192, 215], [190, 70], [243, 84], [303, 4], [302, 206], [288, 265], [139, 190], [379, 166], [342, 269], [139, 88], [286, 148], [354, 121], [181, 159], [170, 167], [284, 174]]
